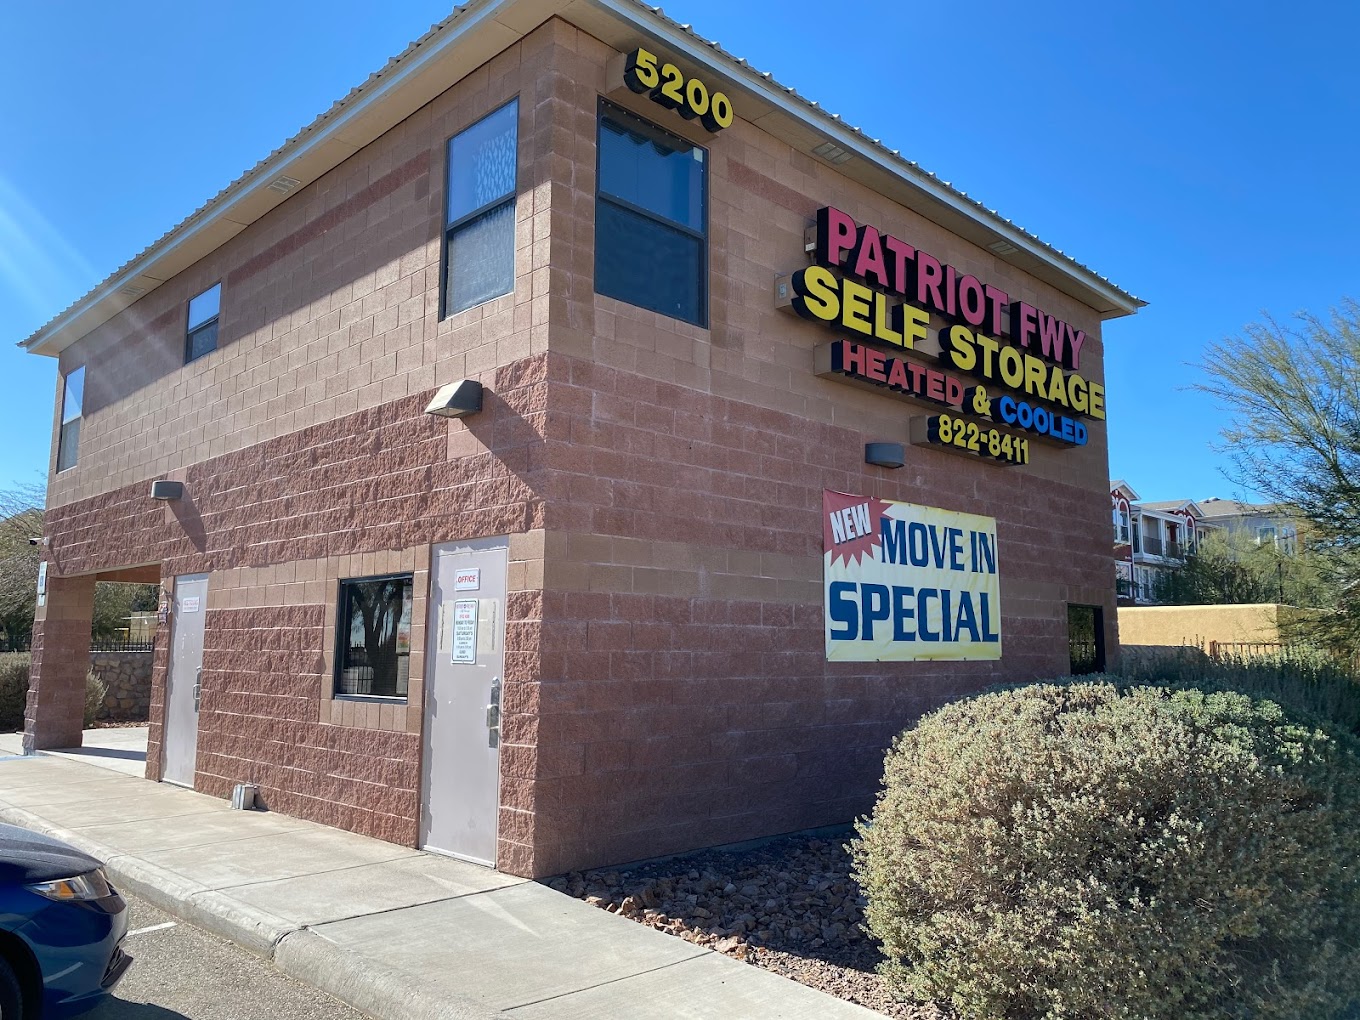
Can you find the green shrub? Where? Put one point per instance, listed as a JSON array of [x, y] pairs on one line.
[[14, 668], [95, 689], [1083, 851], [1300, 679]]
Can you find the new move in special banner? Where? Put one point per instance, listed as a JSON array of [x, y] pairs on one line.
[[906, 582]]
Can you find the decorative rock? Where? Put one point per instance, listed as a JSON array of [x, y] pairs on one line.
[[127, 675]]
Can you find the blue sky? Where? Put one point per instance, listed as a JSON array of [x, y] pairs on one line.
[[1200, 155]]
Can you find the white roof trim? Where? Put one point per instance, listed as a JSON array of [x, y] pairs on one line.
[[216, 214]]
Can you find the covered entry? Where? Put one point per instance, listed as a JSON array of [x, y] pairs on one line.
[[62, 627]]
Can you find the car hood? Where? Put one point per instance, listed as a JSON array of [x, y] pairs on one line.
[[28, 856]]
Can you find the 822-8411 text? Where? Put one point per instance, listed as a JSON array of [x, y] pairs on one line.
[[965, 435]]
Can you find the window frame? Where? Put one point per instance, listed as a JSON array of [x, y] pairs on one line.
[[446, 234], [705, 256], [63, 420], [343, 625], [215, 320]]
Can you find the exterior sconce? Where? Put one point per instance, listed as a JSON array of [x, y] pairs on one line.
[[163, 489], [457, 400], [887, 455]]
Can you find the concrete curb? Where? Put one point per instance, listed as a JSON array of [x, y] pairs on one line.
[[255, 930], [302, 954]]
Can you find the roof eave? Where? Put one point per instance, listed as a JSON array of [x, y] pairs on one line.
[[214, 221], [341, 131]]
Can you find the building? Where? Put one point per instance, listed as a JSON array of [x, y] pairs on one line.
[[505, 445], [1152, 539], [1263, 523]]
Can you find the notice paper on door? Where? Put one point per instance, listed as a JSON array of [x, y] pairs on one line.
[[465, 631], [189, 604]]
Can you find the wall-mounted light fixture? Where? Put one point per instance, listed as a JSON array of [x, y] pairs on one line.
[[162, 489], [888, 455], [457, 399]]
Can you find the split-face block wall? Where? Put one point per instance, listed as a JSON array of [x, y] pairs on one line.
[[660, 482]]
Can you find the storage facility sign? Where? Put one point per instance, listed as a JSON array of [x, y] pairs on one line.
[[904, 583], [999, 372]]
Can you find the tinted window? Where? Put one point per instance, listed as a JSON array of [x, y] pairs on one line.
[[651, 221], [651, 170], [630, 252]]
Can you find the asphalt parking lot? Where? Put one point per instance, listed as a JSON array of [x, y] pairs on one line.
[[183, 972]]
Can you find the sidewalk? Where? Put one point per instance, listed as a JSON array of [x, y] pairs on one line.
[[397, 933]]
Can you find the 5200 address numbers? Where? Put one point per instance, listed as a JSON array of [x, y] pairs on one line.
[[667, 85], [946, 430]]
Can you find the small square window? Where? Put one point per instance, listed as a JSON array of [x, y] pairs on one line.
[[203, 314], [373, 637]]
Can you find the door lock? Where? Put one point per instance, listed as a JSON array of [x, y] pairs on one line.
[[198, 687]]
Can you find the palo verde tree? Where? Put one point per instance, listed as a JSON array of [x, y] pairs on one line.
[[1293, 393]]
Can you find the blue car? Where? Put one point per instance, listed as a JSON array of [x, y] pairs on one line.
[[61, 928]]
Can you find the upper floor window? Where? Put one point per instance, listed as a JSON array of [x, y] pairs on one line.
[[1121, 525], [479, 235], [1287, 541], [202, 334], [651, 218], [72, 399]]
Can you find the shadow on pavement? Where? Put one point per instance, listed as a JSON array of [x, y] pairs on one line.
[[120, 1009], [105, 752]]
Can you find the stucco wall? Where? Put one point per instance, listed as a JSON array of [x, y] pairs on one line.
[[1199, 625]]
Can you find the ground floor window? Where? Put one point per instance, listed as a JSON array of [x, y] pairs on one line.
[[1085, 639], [373, 636]]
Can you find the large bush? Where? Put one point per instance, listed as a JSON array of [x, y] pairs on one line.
[[14, 669], [95, 690], [13, 689], [1080, 851]]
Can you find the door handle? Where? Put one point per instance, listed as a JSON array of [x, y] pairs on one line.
[[493, 714], [198, 687]]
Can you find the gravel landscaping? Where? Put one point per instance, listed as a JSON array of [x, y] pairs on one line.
[[788, 905]]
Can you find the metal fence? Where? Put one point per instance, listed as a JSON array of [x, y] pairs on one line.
[[120, 645], [1244, 649]]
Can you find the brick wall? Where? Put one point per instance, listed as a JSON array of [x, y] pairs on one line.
[[329, 304], [665, 681], [276, 526], [684, 698]]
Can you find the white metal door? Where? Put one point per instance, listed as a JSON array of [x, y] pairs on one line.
[[179, 746], [460, 795]]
